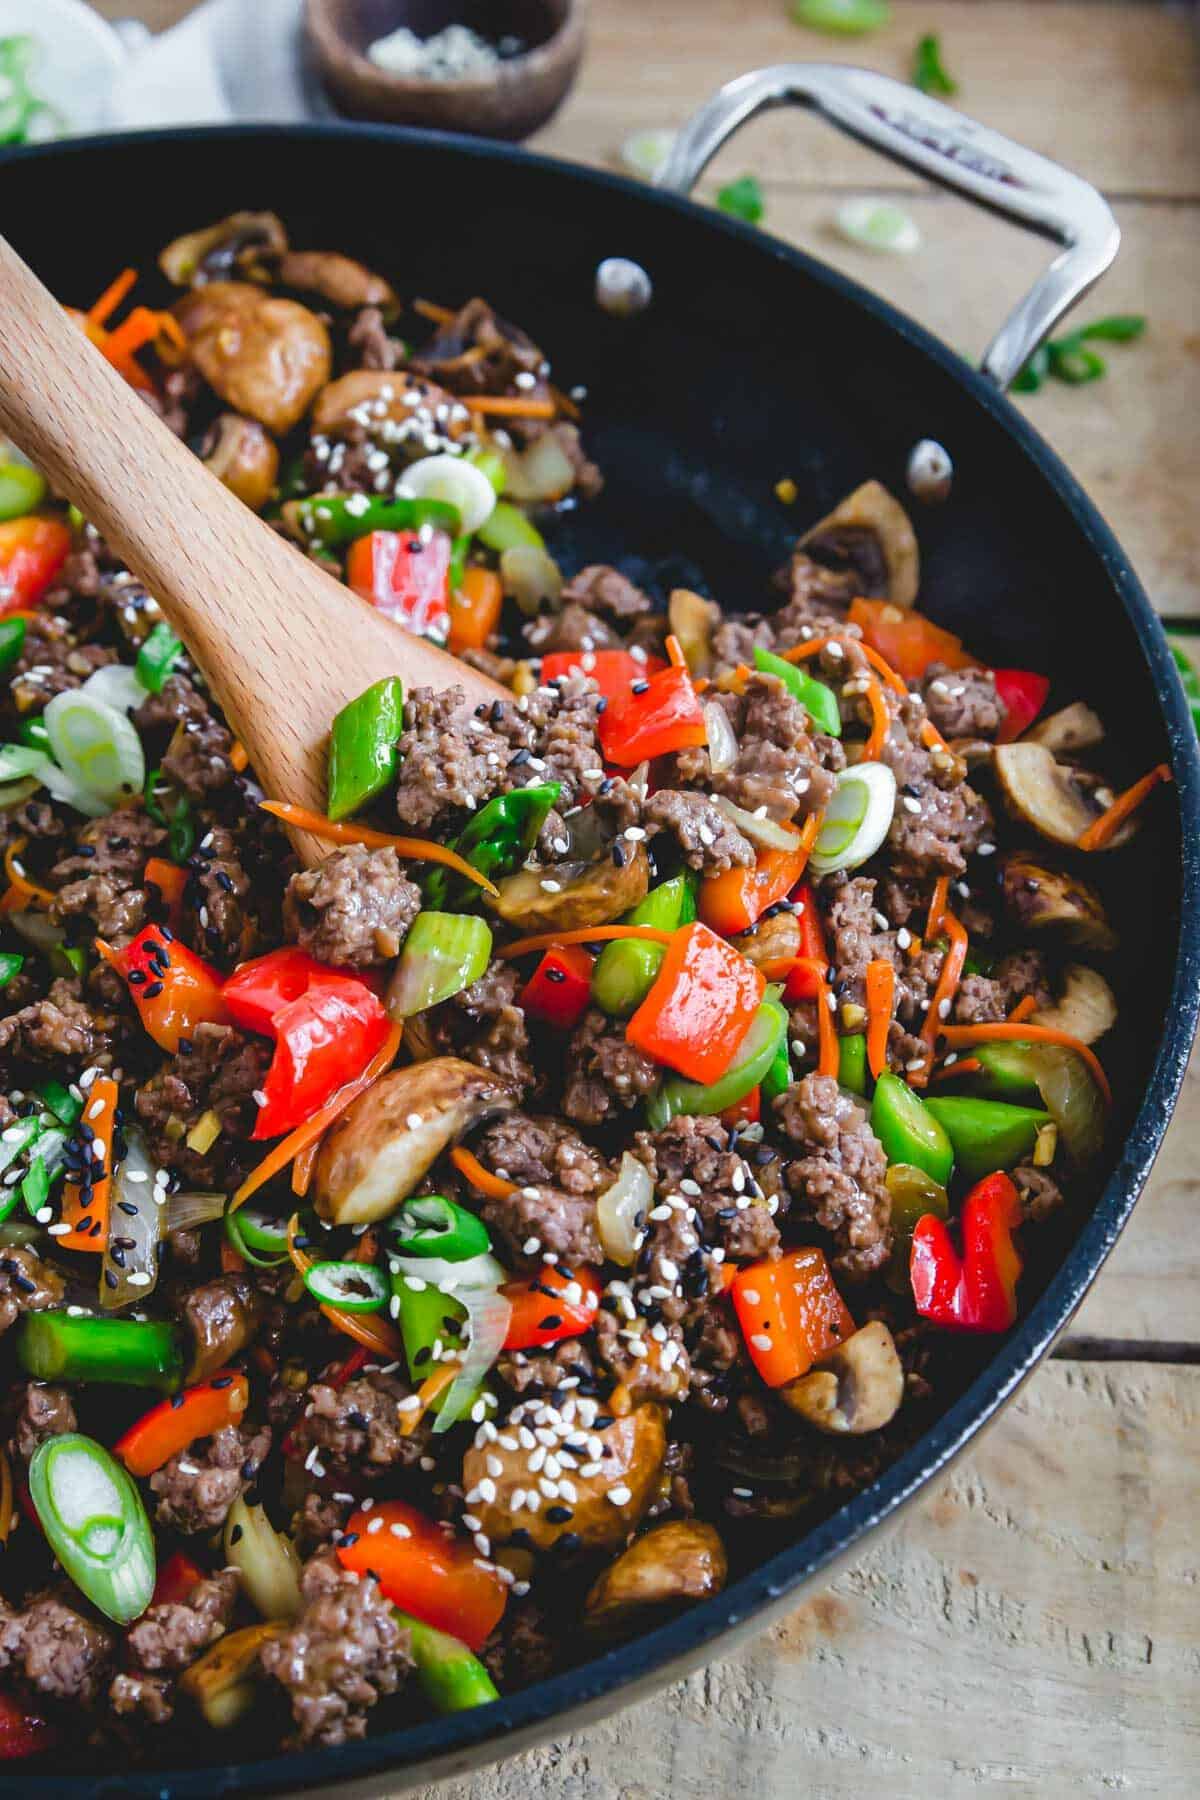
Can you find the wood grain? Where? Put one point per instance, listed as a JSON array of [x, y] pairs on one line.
[[1027, 1630]]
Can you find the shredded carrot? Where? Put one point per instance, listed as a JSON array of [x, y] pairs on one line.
[[1022, 1010], [112, 297], [586, 934], [170, 328], [88, 1218], [881, 722], [343, 832], [565, 404], [931, 737], [303, 1166], [966, 1065], [943, 993], [473, 1171], [828, 1051], [438, 315], [510, 406], [21, 892], [311, 1131], [881, 997], [433, 1385], [1101, 832], [675, 654], [239, 756], [368, 1329], [964, 1037], [937, 906]]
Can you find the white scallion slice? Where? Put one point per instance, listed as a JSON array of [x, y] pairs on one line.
[[878, 225], [645, 152], [95, 746], [619, 1207], [856, 820], [118, 686], [452, 479], [531, 577]]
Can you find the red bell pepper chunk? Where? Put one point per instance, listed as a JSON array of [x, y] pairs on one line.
[[173, 989], [560, 988], [738, 899], [1024, 695], [322, 1040], [665, 715], [791, 1314], [550, 1306], [701, 1005], [175, 1580], [976, 1291], [173, 1424], [425, 1569], [802, 983], [613, 671], [258, 989], [24, 1731], [32, 551], [906, 639], [746, 1111], [405, 576]]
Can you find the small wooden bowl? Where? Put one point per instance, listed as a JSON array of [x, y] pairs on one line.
[[510, 101]]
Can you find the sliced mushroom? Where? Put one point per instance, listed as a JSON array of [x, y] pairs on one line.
[[1044, 899], [245, 243], [244, 458], [222, 1681], [385, 403], [870, 534], [607, 1505], [265, 356], [570, 895], [336, 278], [1069, 731], [1054, 799], [856, 1390], [224, 1316], [376, 1153], [1085, 1007], [693, 619], [670, 1564]]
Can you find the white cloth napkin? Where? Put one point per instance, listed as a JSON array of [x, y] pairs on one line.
[[230, 59]]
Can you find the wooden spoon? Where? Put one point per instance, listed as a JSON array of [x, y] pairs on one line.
[[282, 644]]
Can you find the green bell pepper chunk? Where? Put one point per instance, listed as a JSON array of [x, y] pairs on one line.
[[987, 1134], [758, 1052], [625, 970], [68, 960], [21, 489], [12, 642], [497, 841], [908, 1130], [819, 701], [95, 1523], [11, 965], [914, 1193], [431, 1225], [451, 1677], [157, 657], [333, 519], [508, 529], [1006, 1072], [55, 1346], [852, 1063], [362, 747], [778, 1078]]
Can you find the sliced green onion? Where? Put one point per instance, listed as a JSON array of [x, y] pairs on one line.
[[443, 953], [452, 1678], [350, 1286], [846, 18], [157, 657], [878, 225], [1074, 363], [857, 818], [431, 1225], [13, 793], [491, 463], [265, 1559], [18, 761], [645, 152], [1117, 328], [530, 576], [929, 72], [508, 529], [743, 199], [21, 489], [96, 746], [31, 731], [455, 481], [57, 1346], [95, 1523]]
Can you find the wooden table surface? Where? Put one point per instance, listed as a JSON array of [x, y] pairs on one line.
[[1031, 1626]]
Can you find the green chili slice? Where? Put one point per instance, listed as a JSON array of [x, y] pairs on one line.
[[335, 519], [95, 1523], [743, 199], [929, 71], [350, 1286], [431, 1225], [11, 965]]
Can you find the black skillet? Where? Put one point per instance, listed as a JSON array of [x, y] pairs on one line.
[[752, 362]]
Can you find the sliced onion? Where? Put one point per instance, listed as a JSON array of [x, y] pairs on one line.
[[760, 831], [452, 479], [37, 930], [857, 819], [645, 152], [459, 1278], [117, 685], [531, 577], [542, 473], [722, 741], [1071, 1098], [265, 1560], [618, 1210], [185, 1212], [137, 1216], [488, 1315]]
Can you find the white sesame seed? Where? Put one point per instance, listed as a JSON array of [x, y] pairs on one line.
[[760, 1341], [620, 1495], [414, 1121]]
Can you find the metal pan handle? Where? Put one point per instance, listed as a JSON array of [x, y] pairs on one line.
[[952, 150]]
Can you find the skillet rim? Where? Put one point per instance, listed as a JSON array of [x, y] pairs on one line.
[[473, 1739]]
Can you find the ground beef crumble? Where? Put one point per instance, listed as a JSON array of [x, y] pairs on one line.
[[196, 1489], [354, 908], [839, 1180]]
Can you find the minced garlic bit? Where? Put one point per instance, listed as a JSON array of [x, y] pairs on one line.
[[455, 54]]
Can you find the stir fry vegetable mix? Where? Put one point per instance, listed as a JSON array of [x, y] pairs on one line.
[[660, 1068]]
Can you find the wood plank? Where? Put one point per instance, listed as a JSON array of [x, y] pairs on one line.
[[1027, 1630], [1108, 90]]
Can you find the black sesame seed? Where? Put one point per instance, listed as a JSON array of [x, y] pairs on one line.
[[110, 1279], [128, 1208], [558, 1515], [555, 974], [117, 1255], [235, 1536], [154, 990], [551, 1322], [619, 855], [221, 1381]]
